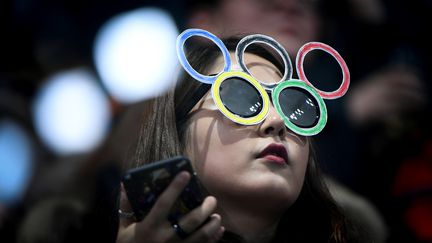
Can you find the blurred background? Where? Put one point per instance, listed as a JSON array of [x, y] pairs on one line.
[[74, 76]]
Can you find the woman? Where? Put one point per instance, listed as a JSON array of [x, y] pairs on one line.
[[262, 179]]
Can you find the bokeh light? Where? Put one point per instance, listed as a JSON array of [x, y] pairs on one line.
[[16, 161], [134, 54], [71, 112]]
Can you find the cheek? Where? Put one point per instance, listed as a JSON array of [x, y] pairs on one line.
[[301, 170], [205, 145], [301, 153], [216, 150], [300, 157]]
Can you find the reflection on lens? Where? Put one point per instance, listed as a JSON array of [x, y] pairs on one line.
[[300, 107], [240, 97], [265, 73], [271, 70]]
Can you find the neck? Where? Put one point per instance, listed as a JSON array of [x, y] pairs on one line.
[[252, 224]]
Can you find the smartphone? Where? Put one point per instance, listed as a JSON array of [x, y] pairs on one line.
[[143, 186]]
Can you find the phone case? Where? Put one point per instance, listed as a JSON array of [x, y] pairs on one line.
[[143, 186]]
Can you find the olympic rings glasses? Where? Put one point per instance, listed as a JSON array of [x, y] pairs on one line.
[[245, 100]]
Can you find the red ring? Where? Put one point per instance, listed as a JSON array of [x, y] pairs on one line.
[[306, 48]]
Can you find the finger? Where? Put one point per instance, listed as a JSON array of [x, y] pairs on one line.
[[393, 121], [396, 104], [166, 200], [395, 97], [385, 109], [126, 234], [403, 78], [191, 221], [125, 207], [218, 235], [410, 97], [208, 232]]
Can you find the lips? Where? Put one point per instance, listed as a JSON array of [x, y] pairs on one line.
[[276, 153]]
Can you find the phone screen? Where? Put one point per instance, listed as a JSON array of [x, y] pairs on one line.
[[143, 186]]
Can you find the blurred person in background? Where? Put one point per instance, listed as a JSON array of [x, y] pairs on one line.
[[394, 167], [60, 202], [20, 156]]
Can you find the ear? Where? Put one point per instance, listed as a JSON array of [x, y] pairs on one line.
[[204, 18]]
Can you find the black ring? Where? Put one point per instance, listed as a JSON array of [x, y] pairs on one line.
[[179, 231], [258, 38]]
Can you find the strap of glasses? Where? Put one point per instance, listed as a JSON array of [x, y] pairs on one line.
[[184, 109]]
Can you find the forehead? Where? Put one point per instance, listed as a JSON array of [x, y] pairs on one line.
[[259, 67]]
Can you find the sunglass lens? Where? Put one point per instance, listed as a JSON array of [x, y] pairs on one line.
[[240, 97], [300, 107]]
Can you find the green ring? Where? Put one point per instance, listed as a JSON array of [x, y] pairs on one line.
[[322, 107]]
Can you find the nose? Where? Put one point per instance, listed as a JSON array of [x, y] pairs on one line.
[[273, 125]]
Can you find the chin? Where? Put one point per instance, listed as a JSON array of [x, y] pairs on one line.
[[275, 191], [274, 200]]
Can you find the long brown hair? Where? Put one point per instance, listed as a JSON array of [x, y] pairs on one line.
[[314, 217]]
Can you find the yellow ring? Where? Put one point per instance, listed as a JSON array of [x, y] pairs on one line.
[[233, 117]]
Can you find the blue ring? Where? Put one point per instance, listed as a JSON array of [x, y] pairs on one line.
[[181, 39]]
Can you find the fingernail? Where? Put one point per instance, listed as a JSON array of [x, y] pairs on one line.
[[211, 200], [216, 216], [183, 176]]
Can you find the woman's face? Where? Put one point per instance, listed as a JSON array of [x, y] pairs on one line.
[[254, 164]]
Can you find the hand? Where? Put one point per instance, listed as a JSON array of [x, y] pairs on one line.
[[386, 97], [155, 227]]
